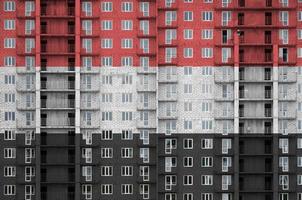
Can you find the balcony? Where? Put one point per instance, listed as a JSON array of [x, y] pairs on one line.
[[165, 6], [147, 88], [46, 122], [168, 115], [146, 70], [150, 105], [168, 78], [57, 105], [168, 97], [56, 14], [57, 86]]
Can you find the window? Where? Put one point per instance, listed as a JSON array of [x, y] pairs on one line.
[[29, 154], [9, 171], [188, 16], [106, 171], [127, 135], [9, 190], [188, 179], [144, 27], [106, 25], [170, 181], [127, 188], [144, 190], [226, 163], [284, 181], [106, 152], [87, 45], [226, 17], [187, 70], [127, 152], [283, 196], [144, 171], [206, 180], [299, 161], [127, 6], [106, 189], [127, 43], [226, 181], [299, 52], [206, 106], [87, 8], [188, 52], [87, 172], [106, 43], [207, 16], [170, 162], [283, 163], [9, 24], [127, 61], [9, 43], [170, 16], [9, 135], [188, 161], [29, 26], [106, 98], [144, 154], [206, 161], [127, 25], [188, 88], [126, 116], [206, 71], [106, 61], [29, 7], [299, 34], [225, 54], [9, 152], [127, 79], [9, 116], [188, 143], [188, 124], [9, 61], [107, 6], [144, 8], [283, 17], [299, 179], [87, 26], [87, 155], [207, 52], [107, 135], [283, 36], [299, 15], [226, 144], [208, 196], [207, 143], [87, 191], [206, 125], [9, 6], [106, 116], [299, 143], [207, 34], [29, 191], [127, 171]]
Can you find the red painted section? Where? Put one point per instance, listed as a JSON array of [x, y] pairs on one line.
[[252, 47]]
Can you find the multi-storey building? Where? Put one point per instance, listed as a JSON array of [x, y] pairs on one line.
[[151, 99]]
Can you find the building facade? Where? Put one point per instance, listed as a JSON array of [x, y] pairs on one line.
[[151, 99]]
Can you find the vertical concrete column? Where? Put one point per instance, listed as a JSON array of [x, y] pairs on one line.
[[275, 121], [77, 99], [236, 116], [275, 90], [236, 82], [37, 96]]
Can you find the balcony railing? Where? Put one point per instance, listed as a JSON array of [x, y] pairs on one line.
[[70, 122]]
